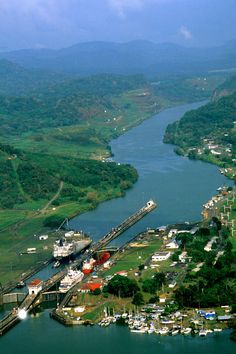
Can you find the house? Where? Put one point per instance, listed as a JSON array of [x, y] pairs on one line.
[[224, 318], [88, 287], [162, 298], [208, 246], [160, 256], [182, 257], [172, 245], [35, 286], [172, 284]]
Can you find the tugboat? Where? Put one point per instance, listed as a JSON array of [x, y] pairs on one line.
[[20, 285]]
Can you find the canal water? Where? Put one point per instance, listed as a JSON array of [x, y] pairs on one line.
[[44, 335], [179, 186]]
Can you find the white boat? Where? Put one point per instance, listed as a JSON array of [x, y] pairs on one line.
[[142, 329], [164, 330], [186, 330], [70, 246], [72, 277], [202, 333], [56, 264], [217, 330], [174, 331]]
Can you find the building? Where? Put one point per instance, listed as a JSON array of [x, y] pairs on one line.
[[182, 256], [172, 245], [162, 298], [35, 286], [160, 256], [172, 233], [43, 237], [88, 287], [208, 246]]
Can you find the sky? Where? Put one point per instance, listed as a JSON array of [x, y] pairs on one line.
[[62, 23]]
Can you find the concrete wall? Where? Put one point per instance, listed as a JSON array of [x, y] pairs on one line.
[[13, 297]]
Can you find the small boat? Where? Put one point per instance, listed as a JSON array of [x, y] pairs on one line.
[[20, 285], [217, 330], [56, 264], [186, 330], [202, 333], [174, 331], [164, 330]]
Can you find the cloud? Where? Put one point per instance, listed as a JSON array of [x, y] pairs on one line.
[[120, 6], [185, 33]]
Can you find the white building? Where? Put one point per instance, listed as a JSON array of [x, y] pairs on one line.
[[160, 256], [208, 246], [172, 232], [182, 257], [35, 286]]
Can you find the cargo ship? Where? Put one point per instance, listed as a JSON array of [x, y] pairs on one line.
[[72, 277], [70, 245]]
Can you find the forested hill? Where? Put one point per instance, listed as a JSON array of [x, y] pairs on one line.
[[208, 133], [25, 178], [16, 80], [226, 88]]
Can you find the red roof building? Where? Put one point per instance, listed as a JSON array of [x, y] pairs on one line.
[[87, 287], [35, 286]]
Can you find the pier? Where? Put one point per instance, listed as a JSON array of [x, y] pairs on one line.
[[32, 301], [126, 224]]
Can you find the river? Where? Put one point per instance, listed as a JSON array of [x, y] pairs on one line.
[[180, 186]]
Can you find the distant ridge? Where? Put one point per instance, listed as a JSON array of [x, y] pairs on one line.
[[127, 58]]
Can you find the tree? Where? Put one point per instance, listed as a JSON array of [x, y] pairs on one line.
[[122, 286], [138, 299], [153, 299], [149, 286], [160, 279]]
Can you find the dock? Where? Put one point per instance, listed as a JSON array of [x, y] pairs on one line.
[[32, 301]]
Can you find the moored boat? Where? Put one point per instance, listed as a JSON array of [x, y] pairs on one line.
[[70, 245]]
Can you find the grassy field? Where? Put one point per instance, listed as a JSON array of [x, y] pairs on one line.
[[134, 256]]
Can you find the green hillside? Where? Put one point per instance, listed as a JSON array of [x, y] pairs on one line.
[[208, 133]]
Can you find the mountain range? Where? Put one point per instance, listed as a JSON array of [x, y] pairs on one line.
[[127, 58]]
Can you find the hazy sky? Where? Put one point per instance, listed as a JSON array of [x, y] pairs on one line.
[[61, 23]]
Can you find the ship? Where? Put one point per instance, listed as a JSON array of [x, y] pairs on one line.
[[102, 258], [70, 245], [72, 277], [88, 266]]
